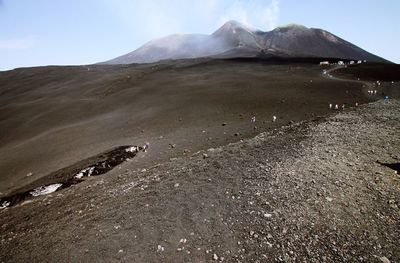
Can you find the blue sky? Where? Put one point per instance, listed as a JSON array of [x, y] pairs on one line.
[[72, 32]]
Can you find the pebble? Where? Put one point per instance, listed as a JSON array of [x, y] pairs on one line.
[[160, 248]]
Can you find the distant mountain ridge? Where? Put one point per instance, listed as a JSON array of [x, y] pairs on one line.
[[234, 39]]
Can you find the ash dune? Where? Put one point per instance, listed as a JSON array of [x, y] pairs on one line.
[[236, 40], [308, 192], [53, 117]]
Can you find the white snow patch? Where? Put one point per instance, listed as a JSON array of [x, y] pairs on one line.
[[132, 149], [88, 170], [44, 190], [5, 204]]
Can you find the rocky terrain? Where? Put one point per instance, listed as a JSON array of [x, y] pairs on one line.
[[313, 191]]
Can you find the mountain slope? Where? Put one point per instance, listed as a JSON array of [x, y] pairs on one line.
[[237, 40], [296, 40]]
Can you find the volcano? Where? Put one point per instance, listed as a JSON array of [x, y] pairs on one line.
[[235, 40]]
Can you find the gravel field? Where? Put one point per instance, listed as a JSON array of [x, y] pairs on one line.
[[313, 191]]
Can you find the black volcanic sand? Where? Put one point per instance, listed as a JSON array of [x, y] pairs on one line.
[[308, 192], [371, 72], [54, 117]]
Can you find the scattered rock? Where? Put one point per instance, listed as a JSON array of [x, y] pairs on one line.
[[160, 248], [217, 164]]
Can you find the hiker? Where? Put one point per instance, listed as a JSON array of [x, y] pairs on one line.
[[253, 119], [146, 146]]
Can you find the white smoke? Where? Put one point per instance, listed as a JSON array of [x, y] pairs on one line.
[[270, 15], [255, 13], [238, 12]]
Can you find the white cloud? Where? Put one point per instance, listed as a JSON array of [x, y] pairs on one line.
[[18, 43]]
